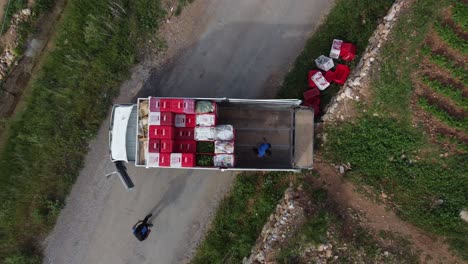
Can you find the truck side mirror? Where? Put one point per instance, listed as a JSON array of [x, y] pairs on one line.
[[123, 175]]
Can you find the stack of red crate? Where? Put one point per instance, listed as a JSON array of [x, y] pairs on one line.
[[171, 132]]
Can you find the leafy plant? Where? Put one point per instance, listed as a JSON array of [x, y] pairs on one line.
[[460, 14], [449, 36], [44, 5], [204, 160], [442, 115], [446, 63], [447, 90], [22, 259], [24, 28], [450, 140], [205, 147]]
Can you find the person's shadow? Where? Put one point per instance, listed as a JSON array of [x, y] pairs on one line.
[[176, 186]]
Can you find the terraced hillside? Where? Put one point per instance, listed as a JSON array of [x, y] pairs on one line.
[[441, 94]]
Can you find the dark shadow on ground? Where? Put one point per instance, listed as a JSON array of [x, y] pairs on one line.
[[219, 65]]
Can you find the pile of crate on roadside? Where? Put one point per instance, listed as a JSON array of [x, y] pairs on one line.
[[181, 132]]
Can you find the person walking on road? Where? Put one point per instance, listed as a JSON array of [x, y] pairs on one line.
[[263, 149], [141, 229]]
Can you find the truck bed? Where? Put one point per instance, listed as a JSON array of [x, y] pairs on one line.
[[286, 125], [253, 123]]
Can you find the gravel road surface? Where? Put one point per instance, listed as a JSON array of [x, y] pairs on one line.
[[221, 48]]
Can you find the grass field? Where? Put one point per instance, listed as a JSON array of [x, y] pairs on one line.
[[241, 216], [387, 152], [96, 44]]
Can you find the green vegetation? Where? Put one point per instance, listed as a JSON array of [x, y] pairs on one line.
[[391, 155], [12, 7], [460, 14], [95, 46], [44, 5], [391, 160], [313, 232], [449, 36], [444, 62], [351, 21], [205, 160], [453, 141], [460, 123], [447, 90], [24, 28], [240, 217], [205, 147]]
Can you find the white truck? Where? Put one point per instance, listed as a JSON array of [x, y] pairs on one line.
[[174, 133]]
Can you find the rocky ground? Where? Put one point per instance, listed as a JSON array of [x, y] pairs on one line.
[[16, 68], [308, 227], [11, 41]]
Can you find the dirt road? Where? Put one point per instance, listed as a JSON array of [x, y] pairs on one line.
[[216, 48]]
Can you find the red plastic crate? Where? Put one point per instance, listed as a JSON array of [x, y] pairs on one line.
[[341, 74], [160, 105], [155, 104], [154, 145], [309, 78], [185, 146], [161, 118], [183, 106], [347, 51], [164, 160], [166, 105], [329, 76], [315, 104], [184, 160], [167, 146], [311, 93], [161, 132], [185, 120], [184, 133]]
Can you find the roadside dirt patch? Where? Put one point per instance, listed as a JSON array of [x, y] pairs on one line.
[[377, 217]]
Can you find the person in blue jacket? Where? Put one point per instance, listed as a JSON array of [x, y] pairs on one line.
[[263, 149], [141, 229]]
